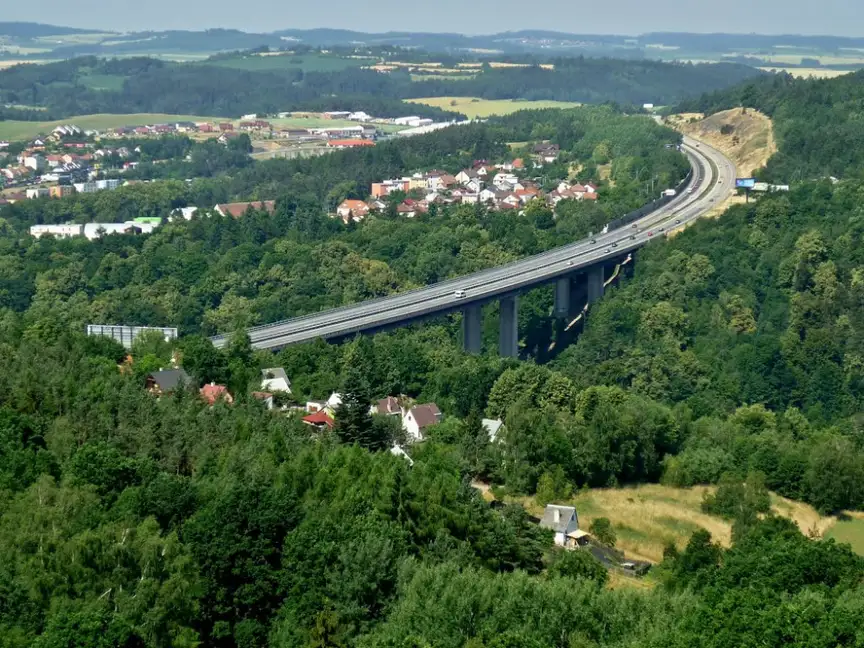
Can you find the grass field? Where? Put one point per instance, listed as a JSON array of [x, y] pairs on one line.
[[74, 39], [113, 82], [20, 130], [648, 517], [849, 530], [473, 107], [305, 62]]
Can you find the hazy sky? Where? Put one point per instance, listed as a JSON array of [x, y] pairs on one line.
[[834, 17]]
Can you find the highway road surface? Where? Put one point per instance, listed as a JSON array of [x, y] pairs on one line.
[[712, 181]]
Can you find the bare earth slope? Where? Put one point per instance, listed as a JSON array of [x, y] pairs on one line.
[[744, 135]]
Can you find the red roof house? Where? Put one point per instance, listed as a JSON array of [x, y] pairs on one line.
[[212, 393], [319, 420]]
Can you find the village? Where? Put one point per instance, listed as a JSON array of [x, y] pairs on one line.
[[503, 187], [416, 421], [72, 152], [275, 393]]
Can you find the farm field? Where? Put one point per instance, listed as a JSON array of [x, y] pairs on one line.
[[6, 63], [797, 59], [18, 130], [279, 61], [808, 73], [474, 107], [112, 82]]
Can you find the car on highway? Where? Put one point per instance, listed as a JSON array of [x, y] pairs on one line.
[[569, 262], [677, 221], [650, 233], [635, 225], [632, 237], [614, 244], [459, 294], [593, 240]]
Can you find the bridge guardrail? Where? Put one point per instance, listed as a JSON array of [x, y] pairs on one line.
[[644, 210]]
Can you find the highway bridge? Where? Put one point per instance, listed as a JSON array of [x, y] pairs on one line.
[[711, 181]]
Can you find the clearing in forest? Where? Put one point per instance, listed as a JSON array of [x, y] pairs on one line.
[[648, 517], [849, 528]]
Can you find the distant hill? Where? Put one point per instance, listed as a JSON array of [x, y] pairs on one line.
[[26, 30], [753, 49]]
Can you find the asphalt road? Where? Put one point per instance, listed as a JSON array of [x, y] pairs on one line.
[[713, 179]]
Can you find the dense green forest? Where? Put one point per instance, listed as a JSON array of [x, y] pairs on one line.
[[128, 521], [733, 355], [816, 122], [148, 85]]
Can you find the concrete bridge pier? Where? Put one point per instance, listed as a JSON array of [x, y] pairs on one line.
[[472, 328], [508, 344], [594, 283], [562, 297]]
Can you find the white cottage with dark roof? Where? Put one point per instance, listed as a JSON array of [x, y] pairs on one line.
[[562, 520]]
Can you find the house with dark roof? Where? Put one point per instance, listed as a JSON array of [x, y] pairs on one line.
[[417, 420], [167, 380], [563, 522], [388, 407]]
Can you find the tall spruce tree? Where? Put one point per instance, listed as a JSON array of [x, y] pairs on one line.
[[354, 423]]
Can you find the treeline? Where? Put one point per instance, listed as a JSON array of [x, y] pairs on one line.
[[815, 121], [150, 85], [594, 80]]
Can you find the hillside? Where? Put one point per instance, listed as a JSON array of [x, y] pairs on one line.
[[815, 123], [232, 85], [146, 507], [650, 517], [745, 136]]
